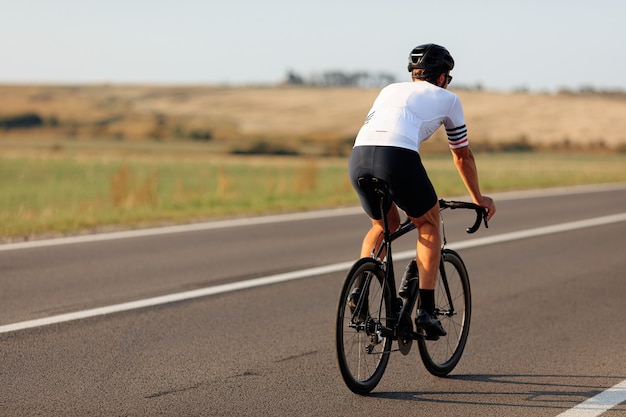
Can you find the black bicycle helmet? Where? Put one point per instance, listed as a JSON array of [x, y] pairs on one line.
[[433, 59]]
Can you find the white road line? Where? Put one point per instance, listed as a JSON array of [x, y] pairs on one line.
[[590, 408], [600, 403], [194, 227], [524, 234], [305, 273], [181, 296]]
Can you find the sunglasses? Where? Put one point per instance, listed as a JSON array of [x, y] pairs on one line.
[[449, 78]]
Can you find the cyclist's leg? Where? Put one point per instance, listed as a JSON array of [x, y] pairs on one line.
[[428, 248], [374, 237], [428, 255]]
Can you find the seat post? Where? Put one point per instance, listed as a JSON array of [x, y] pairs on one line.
[[383, 193], [386, 231], [377, 187]]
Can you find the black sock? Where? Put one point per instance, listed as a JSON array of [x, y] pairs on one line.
[[427, 300]]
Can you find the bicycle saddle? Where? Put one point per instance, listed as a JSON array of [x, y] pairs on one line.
[[374, 185]]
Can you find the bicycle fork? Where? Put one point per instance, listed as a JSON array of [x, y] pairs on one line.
[[444, 279]]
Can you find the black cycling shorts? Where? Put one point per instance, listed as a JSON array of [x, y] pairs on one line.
[[402, 170]]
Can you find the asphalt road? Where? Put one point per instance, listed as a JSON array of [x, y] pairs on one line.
[[547, 332]]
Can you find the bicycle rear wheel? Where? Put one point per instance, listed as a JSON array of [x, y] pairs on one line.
[[441, 356], [362, 347]]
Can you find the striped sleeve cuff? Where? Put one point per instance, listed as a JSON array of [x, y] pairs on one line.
[[457, 137]]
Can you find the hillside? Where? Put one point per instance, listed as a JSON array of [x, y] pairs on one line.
[[297, 117]]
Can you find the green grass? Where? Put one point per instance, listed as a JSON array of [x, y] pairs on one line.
[[519, 171], [69, 193], [64, 195]]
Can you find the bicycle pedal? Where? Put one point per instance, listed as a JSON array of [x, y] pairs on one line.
[[424, 336]]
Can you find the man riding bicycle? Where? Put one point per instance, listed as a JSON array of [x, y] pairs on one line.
[[387, 146]]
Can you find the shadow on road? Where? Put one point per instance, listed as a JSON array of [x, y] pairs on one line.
[[557, 392]]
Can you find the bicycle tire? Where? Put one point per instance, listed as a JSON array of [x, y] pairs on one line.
[[441, 356], [362, 355]]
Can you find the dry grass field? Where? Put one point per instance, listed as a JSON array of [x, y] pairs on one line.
[[311, 120], [79, 159]]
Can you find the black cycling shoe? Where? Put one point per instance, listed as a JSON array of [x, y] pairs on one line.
[[430, 325], [353, 301]]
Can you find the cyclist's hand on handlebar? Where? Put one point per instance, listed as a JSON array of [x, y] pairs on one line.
[[487, 202]]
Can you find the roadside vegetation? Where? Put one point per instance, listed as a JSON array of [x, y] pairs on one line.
[[87, 159]]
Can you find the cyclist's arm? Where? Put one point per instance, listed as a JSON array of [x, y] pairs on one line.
[[466, 165]]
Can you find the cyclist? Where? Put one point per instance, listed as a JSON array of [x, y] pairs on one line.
[[387, 146]]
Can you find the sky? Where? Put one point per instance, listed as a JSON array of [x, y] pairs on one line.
[[538, 45]]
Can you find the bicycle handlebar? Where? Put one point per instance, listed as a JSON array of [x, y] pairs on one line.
[[481, 212], [481, 215]]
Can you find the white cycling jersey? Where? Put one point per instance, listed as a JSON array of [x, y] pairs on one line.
[[406, 114]]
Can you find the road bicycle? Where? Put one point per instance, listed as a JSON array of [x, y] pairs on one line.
[[370, 315]]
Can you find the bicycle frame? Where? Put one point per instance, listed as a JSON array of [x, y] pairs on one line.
[[387, 262], [370, 316]]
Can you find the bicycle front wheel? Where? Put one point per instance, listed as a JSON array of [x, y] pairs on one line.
[[363, 345], [453, 305]]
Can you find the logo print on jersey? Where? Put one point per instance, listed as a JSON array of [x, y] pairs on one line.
[[369, 117]]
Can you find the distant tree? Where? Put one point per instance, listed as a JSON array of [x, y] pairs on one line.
[[294, 79], [21, 121], [342, 79]]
